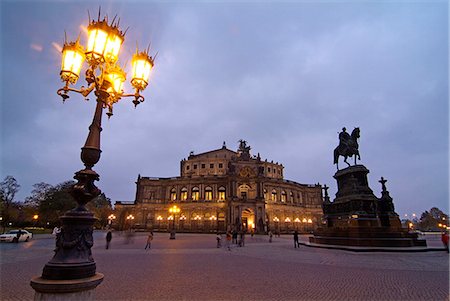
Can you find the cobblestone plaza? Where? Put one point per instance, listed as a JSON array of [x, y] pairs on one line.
[[192, 268]]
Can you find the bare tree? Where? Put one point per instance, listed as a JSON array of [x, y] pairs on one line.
[[8, 189]]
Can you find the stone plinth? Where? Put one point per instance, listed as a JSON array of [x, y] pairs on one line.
[[358, 218], [67, 290]]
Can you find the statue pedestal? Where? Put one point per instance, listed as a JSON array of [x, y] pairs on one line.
[[65, 290], [358, 218]]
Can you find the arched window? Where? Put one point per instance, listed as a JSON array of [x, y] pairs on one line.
[[183, 195], [195, 194], [283, 196], [173, 194], [221, 196], [265, 194], [291, 197], [208, 193], [274, 195]]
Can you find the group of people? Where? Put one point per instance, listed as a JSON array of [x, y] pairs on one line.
[[148, 245], [232, 237]]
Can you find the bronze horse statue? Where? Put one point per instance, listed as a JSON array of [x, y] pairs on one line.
[[348, 146]]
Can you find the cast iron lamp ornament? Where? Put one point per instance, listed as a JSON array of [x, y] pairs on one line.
[[104, 76]]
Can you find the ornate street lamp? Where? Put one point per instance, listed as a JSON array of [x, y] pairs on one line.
[[111, 217], [173, 210], [73, 258], [130, 219]]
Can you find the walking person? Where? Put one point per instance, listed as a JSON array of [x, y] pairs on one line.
[[108, 239], [219, 240], [19, 234], [229, 241], [270, 236], [242, 239], [56, 231], [149, 241], [235, 235], [444, 238], [296, 244]]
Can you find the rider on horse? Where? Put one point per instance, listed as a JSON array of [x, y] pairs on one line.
[[348, 146], [344, 141]]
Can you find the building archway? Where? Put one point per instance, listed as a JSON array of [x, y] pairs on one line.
[[248, 220]]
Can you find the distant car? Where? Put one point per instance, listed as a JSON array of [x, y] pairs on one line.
[[13, 236]]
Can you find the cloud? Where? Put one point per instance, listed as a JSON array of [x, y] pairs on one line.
[[36, 47], [286, 77], [57, 46]]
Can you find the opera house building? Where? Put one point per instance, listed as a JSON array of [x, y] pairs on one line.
[[222, 190]]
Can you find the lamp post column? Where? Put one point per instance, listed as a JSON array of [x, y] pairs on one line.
[[73, 257], [71, 273]]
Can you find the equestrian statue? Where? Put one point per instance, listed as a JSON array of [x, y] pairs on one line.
[[348, 146]]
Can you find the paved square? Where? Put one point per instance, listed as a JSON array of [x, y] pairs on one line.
[[192, 268]]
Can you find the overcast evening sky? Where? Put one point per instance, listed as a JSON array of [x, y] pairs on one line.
[[284, 76]]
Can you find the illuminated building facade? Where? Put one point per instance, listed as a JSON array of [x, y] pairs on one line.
[[224, 190]]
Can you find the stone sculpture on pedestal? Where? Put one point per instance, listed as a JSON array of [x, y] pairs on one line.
[[357, 217]]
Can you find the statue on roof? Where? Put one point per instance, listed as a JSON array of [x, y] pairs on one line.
[[243, 146], [244, 150]]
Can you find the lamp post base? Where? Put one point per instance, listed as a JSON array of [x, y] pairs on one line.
[[73, 256], [67, 290]]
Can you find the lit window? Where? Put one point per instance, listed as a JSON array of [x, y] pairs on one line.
[[283, 196], [183, 195], [208, 193], [274, 195], [195, 194], [173, 194], [222, 194], [265, 194]]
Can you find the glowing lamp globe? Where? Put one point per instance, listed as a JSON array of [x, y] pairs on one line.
[[116, 77], [115, 40], [104, 42], [72, 60], [142, 65]]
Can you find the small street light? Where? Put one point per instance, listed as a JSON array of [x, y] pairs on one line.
[[111, 217], [130, 219], [173, 210], [297, 221], [104, 77]]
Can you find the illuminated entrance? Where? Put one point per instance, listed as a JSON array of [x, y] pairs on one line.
[[248, 220]]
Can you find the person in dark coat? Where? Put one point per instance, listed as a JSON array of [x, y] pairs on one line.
[[296, 244], [108, 239], [235, 236], [444, 238]]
